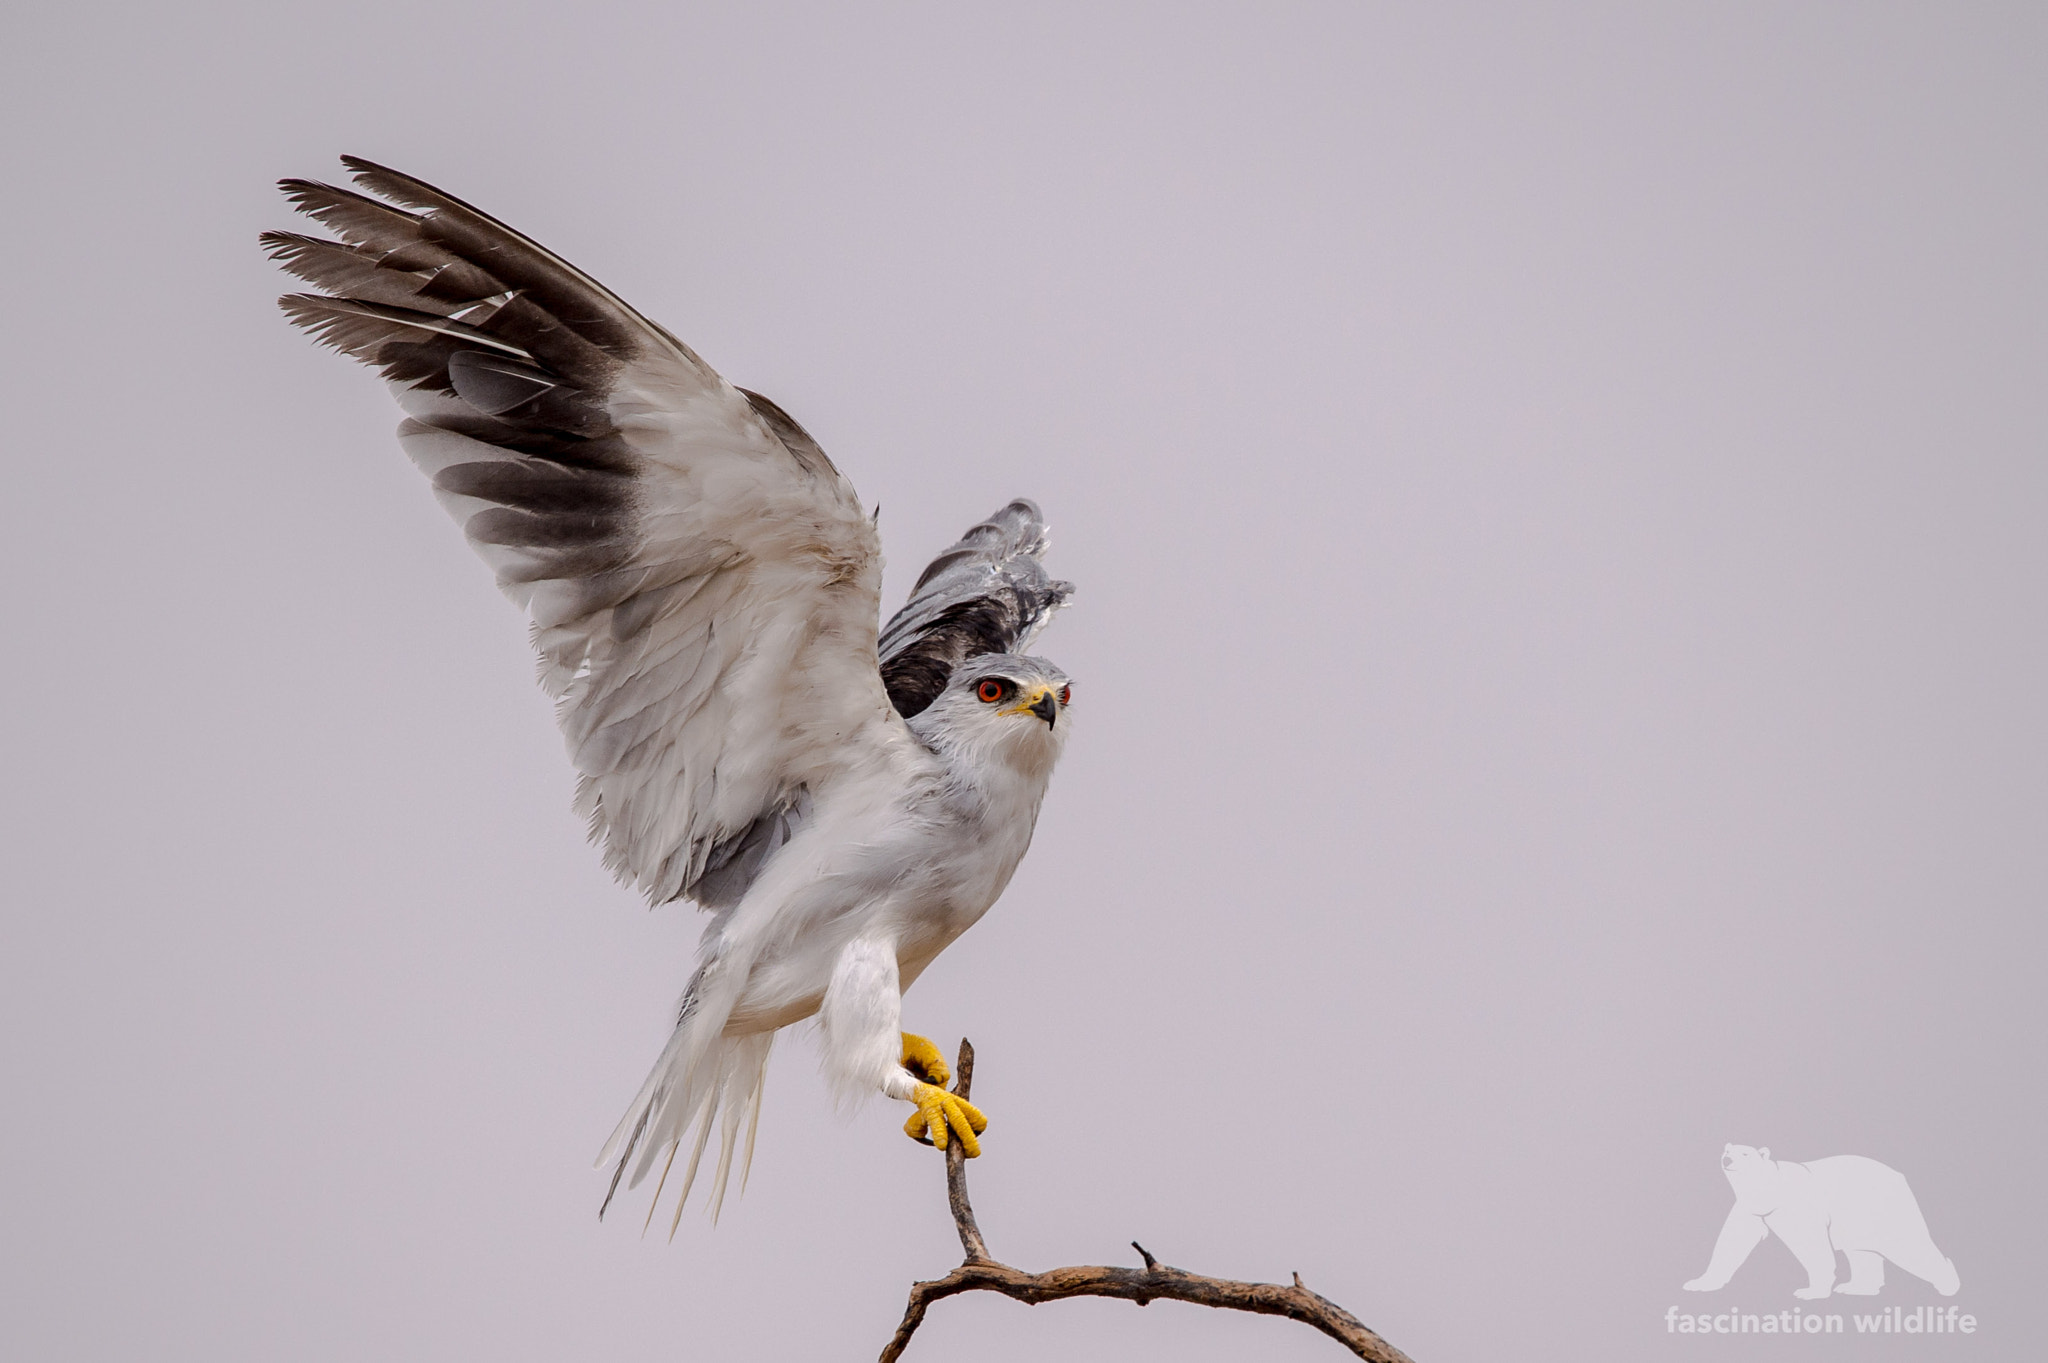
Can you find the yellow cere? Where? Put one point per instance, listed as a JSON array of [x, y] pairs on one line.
[[1024, 706]]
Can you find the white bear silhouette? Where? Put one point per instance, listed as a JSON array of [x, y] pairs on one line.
[[1845, 1202]]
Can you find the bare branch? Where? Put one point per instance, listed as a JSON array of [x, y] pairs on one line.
[[971, 1243], [1154, 1282]]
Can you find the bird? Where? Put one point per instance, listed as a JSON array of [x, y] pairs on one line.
[[703, 586]]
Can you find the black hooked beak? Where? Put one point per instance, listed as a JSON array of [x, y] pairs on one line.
[[1046, 708]]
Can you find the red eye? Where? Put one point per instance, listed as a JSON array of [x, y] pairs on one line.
[[992, 691], [1066, 694]]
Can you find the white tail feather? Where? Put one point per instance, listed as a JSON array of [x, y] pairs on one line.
[[655, 1201], [742, 1095], [689, 1174], [697, 1078], [753, 1127]]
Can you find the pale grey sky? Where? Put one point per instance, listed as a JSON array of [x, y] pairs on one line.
[[1556, 495]]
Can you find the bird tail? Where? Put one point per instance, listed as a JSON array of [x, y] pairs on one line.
[[697, 1079]]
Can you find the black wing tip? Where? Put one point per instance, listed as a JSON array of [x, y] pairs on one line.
[[285, 245], [318, 315], [369, 174], [297, 187], [322, 202], [414, 192]]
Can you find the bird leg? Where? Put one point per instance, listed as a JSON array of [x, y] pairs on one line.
[[939, 1114]]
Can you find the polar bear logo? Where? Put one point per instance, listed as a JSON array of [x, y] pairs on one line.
[[1845, 1202]]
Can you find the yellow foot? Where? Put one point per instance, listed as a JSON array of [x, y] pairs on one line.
[[937, 1112], [922, 1059]]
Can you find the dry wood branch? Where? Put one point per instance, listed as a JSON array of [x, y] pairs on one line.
[[971, 1243], [1154, 1282]]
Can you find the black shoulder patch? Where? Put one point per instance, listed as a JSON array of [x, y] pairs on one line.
[[986, 624]]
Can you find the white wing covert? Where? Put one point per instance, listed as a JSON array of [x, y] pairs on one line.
[[702, 582]]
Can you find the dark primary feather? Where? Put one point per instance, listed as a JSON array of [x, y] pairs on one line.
[[987, 594], [453, 302], [556, 289], [491, 337]]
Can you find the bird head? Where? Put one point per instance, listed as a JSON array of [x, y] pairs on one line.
[[1002, 707]]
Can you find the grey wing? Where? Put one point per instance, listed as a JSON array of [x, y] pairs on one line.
[[987, 594], [702, 582]]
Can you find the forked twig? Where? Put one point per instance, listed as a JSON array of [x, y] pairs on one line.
[[1154, 1282]]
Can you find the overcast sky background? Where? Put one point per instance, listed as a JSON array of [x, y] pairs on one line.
[[1556, 494]]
